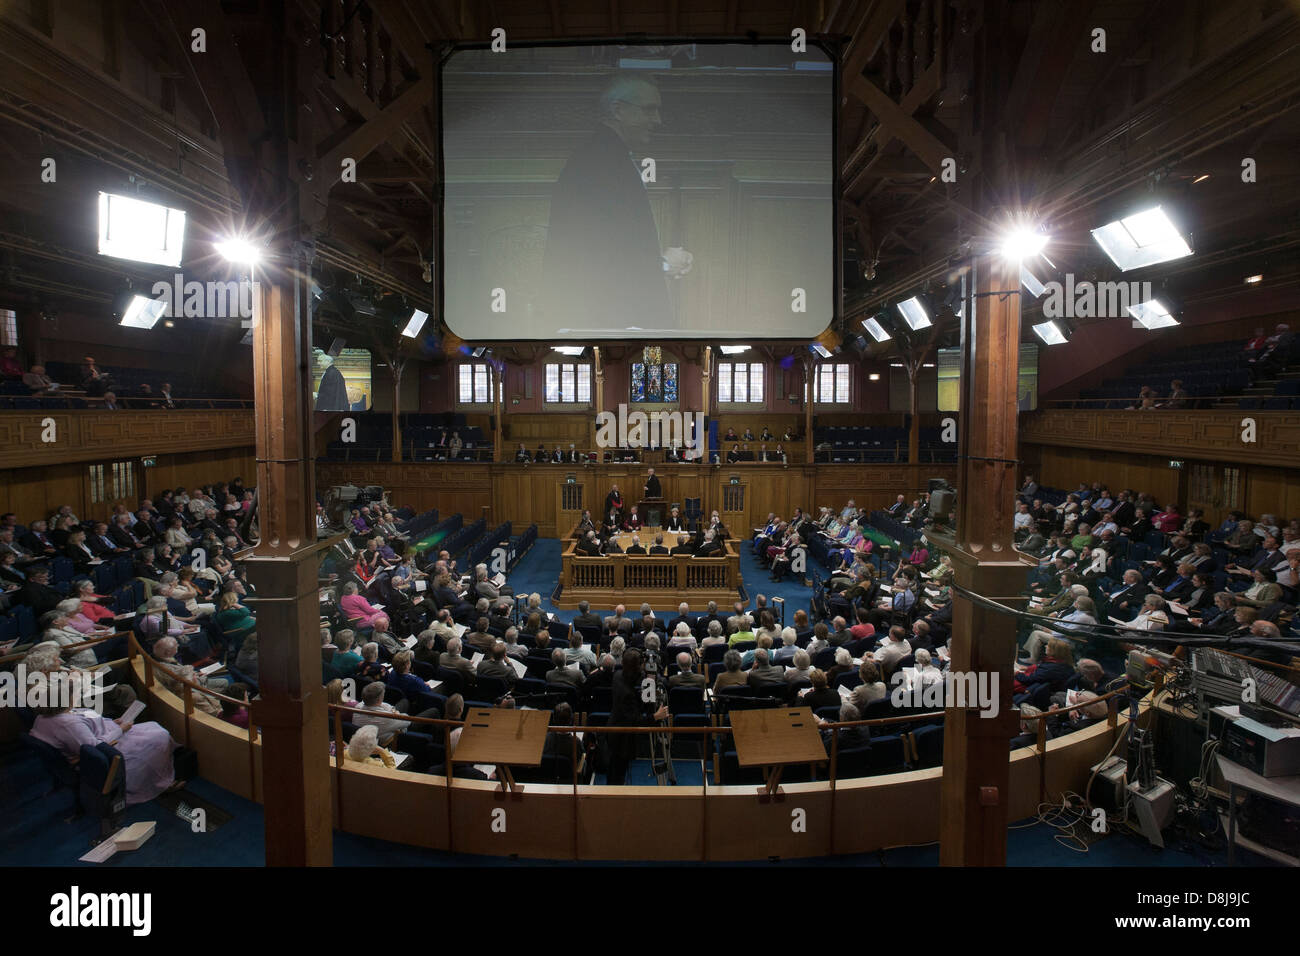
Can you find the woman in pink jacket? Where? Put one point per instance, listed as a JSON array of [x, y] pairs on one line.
[[356, 608]]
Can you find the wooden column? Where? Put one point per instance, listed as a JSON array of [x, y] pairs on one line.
[[809, 370], [973, 805], [395, 366], [598, 393], [498, 410], [283, 569]]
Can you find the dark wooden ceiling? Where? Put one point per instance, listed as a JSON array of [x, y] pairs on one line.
[[1033, 117]]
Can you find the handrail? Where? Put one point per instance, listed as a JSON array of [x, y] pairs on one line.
[[63, 648], [1190, 403]]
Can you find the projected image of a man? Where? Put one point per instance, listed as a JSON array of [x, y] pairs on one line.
[[333, 393], [604, 266]]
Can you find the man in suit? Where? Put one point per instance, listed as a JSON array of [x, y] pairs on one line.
[[764, 673], [618, 619], [1130, 596], [121, 532], [485, 588], [7, 543], [658, 546], [683, 611], [523, 456], [480, 638], [562, 673], [571, 456], [35, 540], [683, 545], [584, 617], [499, 618], [541, 457], [451, 658], [612, 546], [102, 543], [636, 547], [589, 545], [899, 507], [37, 593], [495, 665], [685, 677], [557, 456]]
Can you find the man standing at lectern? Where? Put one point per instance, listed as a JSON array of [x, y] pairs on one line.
[[652, 487]]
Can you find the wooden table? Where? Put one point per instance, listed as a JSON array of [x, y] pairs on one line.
[[772, 738], [503, 737]]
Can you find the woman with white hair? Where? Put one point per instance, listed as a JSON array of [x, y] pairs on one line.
[[616, 648], [71, 610], [146, 748], [843, 665], [682, 639], [714, 635], [802, 669], [157, 622], [924, 671], [364, 748]]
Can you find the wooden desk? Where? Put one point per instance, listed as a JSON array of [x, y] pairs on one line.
[[773, 738], [503, 737]]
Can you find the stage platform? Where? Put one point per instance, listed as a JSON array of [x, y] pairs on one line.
[[662, 581]]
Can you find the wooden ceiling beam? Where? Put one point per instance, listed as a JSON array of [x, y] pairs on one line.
[[903, 125]]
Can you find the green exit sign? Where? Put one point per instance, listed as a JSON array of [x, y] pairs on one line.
[[1175, 464], [149, 462]]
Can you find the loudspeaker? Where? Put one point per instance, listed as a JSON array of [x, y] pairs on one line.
[[336, 347]]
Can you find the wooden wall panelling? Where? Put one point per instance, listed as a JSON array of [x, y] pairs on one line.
[[1205, 434], [103, 436]]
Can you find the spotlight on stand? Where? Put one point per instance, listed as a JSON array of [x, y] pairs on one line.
[[240, 250], [1022, 242]]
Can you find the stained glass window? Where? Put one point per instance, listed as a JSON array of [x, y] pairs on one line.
[[654, 382]]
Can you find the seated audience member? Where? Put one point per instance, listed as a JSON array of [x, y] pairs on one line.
[[562, 672], [872, 687], [821, 695], [801, 665], [247, 660], [370, 668], [236, 713], [451, 658], [494, 664], [731, 675], [40, 383], [346, 660], [364, 748], [373, 710], [146, 748], [685, 677], [848, 737], [358, 611]]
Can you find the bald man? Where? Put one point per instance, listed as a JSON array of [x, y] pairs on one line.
[[604, 262]]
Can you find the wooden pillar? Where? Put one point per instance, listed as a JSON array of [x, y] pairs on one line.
[[914, 431], [291, 710], [976, 768], [498, 410], [395, 366], [809, 370], [598, 393]]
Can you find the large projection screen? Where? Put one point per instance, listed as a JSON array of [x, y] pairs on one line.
[[621, 192]]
